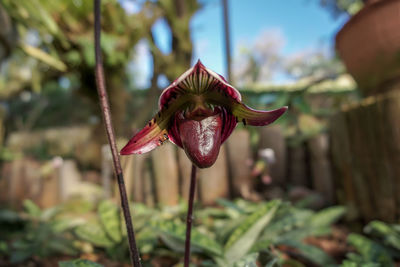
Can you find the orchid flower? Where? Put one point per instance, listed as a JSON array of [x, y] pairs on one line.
[[198, 112]]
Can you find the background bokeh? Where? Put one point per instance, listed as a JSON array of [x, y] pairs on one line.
[[334, 63]]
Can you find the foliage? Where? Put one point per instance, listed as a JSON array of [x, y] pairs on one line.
[[55, 44], [231, 236], [338, 7], [237, 233], [79, 263], [105, 231], [380, 248], [41, 234]]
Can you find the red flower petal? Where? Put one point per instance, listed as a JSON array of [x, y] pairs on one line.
[[228, 124], [198, 81], [151, 136], [201, 139], [256, 117]]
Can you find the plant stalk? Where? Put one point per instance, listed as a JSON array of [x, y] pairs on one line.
[[105, 107], [189, 217], [227, 36]]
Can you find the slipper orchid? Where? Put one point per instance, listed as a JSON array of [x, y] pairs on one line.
[[198, 112]]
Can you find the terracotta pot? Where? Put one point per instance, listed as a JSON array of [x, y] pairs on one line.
[[369, 45]]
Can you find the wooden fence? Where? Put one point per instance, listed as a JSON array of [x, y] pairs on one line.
[[162, 176], [366, 157]]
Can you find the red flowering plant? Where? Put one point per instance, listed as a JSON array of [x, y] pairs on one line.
[[197, 112]]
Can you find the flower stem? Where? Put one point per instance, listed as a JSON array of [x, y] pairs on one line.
[[105, 107], [189, 217]]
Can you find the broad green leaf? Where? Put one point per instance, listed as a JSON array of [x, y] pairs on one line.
[[301, 224], [274, 262], [3, 248], [31, 208], [174, 243], [95, 234], [290, 263], [50, 213], [351, 263], [267, 258], [247, 261], [62, 246], [312, 253], [118, 252], [226, 228], [301, 233], [347, 263], [174, 234], [327, 216], [396, 227], [79, 263], [370, 250], [64, 224], [20, 255], [110, 218], [286, 223], [244, 237], [221, 262], [147, 240], [230, 205], [382, 230]]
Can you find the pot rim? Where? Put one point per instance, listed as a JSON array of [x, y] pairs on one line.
[[370, 6]]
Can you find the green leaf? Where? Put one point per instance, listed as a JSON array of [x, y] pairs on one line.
[[328, 216], [370, 250], [111, 220], [298, 224], [382, 230], [21, 255], [290, 263], [147, 240], [64, 224], [95, 234], [289, 222], [45, 57], [3, 248], [350, 263], [31, 208], [79, 263], [312, 253], [49, 213], [227, 204], [174, 243], [174, 233], [267, 258], [244, 237], [62, 246], [249, 260], [226, 228]]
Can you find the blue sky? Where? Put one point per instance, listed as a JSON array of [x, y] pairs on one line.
[[301, 24]]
